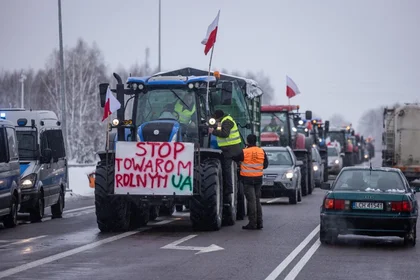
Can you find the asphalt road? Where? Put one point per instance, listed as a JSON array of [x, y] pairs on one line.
[[287, 248]]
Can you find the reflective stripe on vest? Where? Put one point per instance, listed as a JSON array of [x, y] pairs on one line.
[[253, 163], [234, 136], [184, 115]]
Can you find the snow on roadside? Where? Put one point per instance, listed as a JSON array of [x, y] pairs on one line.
[[79, 183]]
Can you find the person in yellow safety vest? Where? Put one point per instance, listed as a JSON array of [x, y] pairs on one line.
[[186, 113], [272, 126], [229, 141], [254, 160]]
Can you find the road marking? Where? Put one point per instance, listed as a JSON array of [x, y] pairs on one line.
[[22, 241], [201, 250], [279, 269], [298, 267], [68, 253], [79, 209]]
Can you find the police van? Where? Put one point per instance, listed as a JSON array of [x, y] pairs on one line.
[[10, 195], [43, 162]]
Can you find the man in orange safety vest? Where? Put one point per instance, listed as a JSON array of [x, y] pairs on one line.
[[254, 160]]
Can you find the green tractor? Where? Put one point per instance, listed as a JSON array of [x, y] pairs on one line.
[[155, 161]]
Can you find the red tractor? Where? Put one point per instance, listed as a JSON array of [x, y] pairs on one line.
[[278, 128]]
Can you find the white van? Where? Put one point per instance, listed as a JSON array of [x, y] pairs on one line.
[[43, 162]]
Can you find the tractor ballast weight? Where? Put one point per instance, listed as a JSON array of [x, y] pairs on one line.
[[126, 199]]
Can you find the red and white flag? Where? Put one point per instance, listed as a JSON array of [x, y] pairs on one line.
[[291, 88], [211, 35], [111, 104]]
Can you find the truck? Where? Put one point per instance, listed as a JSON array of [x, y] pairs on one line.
[[341, 135], [154, 161], [400, 139], [284, 133]]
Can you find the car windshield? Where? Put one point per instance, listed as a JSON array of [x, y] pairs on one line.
[[279, 158], [332, 152], [166, 104], [369, 181], [27, 144]]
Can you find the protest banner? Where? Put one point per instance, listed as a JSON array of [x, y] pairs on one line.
[[160, 168]]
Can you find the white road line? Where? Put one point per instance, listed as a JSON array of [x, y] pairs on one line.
[[279, 269], [78, 209], [298, 267], [52, 258], [22, 241], [74, 251]]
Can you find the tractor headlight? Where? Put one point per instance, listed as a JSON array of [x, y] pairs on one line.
[[366, 156], [288, 174], [28, 182], [212, 121], [336, 161], [315, 167], [115, 122], [190, 85]]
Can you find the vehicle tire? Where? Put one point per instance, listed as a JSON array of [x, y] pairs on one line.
[[299, 195], [10, 221], [293, 197], [326, 172], [112, 212], [38, 212], [206, 207], [167, 210], [311, 179], [58, 208], [179, 207], [240, 210], [139, 217], [153, 213], [304, 173], [410, 237], [230, 201]]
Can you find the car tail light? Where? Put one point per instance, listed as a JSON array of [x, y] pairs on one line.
[[401, 206], [335, 204]]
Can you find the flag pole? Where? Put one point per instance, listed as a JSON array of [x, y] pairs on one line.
[[208, 81]]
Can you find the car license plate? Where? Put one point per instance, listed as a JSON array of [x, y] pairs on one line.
[[368, 205], [268, 183]]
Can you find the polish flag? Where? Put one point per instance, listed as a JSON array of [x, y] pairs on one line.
[[111, 104], [211, 35], [291, 88]]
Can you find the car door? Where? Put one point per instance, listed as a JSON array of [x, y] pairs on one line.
[[46, 170], [59, 162]]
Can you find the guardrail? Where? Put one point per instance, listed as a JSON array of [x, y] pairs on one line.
[[81, 164]]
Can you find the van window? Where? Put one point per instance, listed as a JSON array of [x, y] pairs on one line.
[[3, 146], [55, 142], [13, 145], [27, 142]]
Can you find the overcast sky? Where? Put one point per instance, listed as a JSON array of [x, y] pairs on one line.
[[345, 56]]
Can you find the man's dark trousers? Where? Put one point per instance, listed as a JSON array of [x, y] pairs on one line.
[[252, 188]]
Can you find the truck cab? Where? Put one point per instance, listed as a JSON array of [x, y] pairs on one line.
[[10, 194], [43, 162]]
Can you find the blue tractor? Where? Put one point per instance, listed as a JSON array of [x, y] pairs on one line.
[[157, 159]]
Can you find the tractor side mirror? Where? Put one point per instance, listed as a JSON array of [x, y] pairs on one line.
[[226, 93], [308, 115], [352, 133], [102, 93], [327, 126]]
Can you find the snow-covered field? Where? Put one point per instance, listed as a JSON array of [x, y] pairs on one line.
[[79, 183]]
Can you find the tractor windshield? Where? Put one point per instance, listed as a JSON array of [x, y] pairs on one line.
[[337, 136], [275, 122], [168, 106]]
